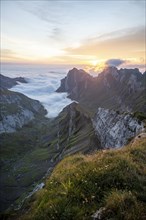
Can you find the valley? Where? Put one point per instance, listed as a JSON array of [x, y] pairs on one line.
[[30, 151]]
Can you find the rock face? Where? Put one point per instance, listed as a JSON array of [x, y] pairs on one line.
[[114, 129], [75, 131], [75, 82], [122, 89], [17, 110], [7, 82]]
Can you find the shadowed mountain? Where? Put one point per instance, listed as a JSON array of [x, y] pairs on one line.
[[122, 89], [7, 82]]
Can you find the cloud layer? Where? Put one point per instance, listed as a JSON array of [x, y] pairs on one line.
[[42, 87]]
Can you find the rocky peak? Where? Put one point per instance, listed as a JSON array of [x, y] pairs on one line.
[[110, 70], [112, 88], [74, 81]]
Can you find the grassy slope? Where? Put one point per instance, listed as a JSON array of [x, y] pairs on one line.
[[27, 154], [24, 159], [80, 185]]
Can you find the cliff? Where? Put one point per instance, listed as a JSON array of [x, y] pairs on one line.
[[17, 110], [74, 132], [115, 129]]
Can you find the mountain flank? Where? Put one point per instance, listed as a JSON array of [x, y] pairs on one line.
[[16, 109], [7, 82], [108, 184], [123, 89]]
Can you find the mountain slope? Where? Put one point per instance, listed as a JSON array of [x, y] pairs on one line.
[[7, 82], [109, 184], [31, 152], [123, 89], [17, 110]]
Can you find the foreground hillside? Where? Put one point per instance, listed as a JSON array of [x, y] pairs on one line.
[[109, 184]]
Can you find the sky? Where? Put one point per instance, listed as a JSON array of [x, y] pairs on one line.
[[90, 32]]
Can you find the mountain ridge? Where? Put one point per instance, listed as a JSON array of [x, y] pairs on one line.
[[7, 82], [123, 89]]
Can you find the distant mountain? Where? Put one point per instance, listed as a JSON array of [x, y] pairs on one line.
[[16, 109], [123, 89], [7, 82]]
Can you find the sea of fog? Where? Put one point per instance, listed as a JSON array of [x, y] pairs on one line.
[[42, 84]]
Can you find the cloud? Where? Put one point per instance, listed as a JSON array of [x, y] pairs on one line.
[[42, 88], [121, 43], [50, 12], [115, 62], [56, 34], [8, 55]]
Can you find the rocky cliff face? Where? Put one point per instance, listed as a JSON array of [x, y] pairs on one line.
[[115, 129], [17, 110], [122, 89], [75, 82], [75, 132], [7, 82]]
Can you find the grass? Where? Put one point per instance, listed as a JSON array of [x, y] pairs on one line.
[[114, 180], [140, 115], [25, 158]]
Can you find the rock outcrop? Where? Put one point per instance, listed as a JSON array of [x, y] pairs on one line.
[[17, 110], [122, 89], [7, 82], [115, 129]]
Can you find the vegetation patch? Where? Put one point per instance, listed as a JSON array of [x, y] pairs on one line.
[[140, 116], [110, 180]]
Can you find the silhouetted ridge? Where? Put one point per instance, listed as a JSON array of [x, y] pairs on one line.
[[122, 89]]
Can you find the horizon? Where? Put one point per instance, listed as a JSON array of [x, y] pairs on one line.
[[87, 33], [6, 68]]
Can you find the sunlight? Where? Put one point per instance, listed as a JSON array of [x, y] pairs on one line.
[[94, 62]]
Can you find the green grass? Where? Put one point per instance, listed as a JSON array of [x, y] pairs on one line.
[[140, 116], [80, 185]]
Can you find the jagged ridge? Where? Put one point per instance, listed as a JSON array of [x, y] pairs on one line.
[[122, 89]]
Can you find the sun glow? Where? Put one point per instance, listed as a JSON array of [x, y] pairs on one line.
[[94, 62], [95, 66]]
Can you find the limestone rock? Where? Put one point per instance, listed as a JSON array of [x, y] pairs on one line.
[[115, 129], [17, 110]]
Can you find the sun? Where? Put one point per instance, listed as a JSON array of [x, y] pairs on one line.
[[94, 62]]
